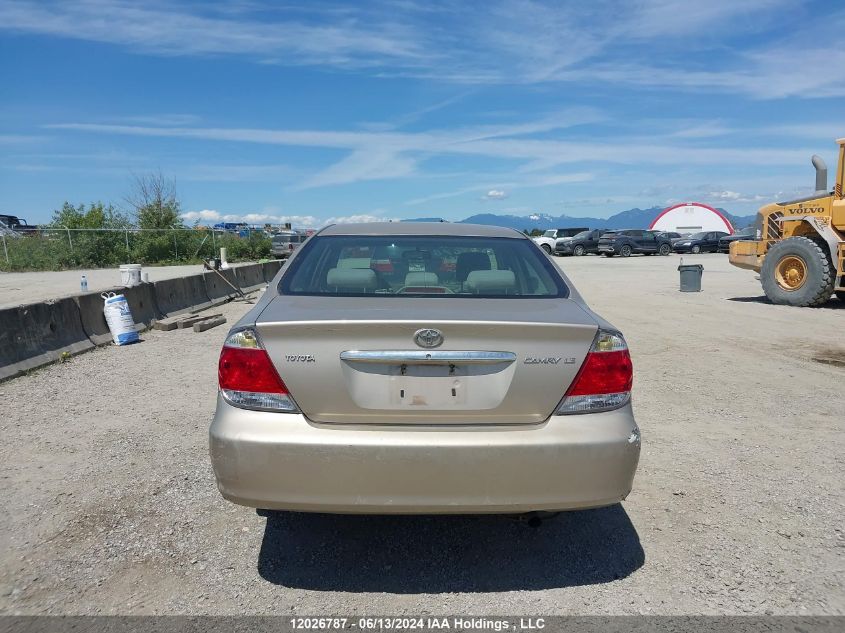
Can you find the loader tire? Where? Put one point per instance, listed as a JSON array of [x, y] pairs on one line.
[[797, 272]]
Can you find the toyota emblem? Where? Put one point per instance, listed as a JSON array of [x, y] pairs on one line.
[[428, 338]]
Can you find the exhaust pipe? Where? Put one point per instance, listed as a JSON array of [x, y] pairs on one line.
[[535, 519], [821, 173]]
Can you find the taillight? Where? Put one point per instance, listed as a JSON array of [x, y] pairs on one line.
[[247, 378], [605, 378]]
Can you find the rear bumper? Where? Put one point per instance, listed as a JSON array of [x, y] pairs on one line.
[[284, 462]]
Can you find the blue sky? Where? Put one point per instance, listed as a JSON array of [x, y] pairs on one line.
[[313, 112]]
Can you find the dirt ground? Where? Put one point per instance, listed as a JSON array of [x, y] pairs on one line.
[[109, 504]]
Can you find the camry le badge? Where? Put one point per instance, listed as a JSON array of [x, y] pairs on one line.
[[551, 360], [428, 338]]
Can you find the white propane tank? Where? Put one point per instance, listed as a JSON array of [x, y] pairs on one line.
[[119, 318]]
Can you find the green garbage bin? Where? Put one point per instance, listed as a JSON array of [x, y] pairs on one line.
[[691, 277]]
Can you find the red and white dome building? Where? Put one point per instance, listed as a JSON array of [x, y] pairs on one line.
[[691, 217]]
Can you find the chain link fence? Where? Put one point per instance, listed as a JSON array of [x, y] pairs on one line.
[[61, 248]]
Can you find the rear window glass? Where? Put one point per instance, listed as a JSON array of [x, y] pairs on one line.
[[430, 266], [285, 239]]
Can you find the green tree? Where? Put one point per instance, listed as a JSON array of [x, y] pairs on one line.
[[158, 213], [78, 247], [154, 203]]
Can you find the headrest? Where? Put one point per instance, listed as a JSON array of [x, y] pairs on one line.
[[483, 281], [352, 278], [421, 279], [469, 261]]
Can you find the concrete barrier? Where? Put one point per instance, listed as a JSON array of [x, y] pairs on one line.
[[182, 294], [143, 303], [91, 313], [271, 268], [219, 291], [250, 277], [39, 333]]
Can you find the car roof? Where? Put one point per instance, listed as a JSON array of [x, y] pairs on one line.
[[421, 228]]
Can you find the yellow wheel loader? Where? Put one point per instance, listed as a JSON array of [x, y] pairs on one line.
[[800, 246]]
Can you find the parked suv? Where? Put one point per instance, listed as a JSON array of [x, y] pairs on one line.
[[630, 241], [284, 244], [749, 233], [547, 240], [674, 237], [580, 244], [704, 242]]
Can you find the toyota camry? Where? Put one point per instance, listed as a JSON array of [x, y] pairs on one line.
[[423, 368]]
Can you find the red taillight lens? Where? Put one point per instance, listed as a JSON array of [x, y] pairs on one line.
[[247, 377], [604, 372], [604, 380], [248, 370]]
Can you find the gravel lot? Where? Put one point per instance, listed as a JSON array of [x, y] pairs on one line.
[[110, 504]]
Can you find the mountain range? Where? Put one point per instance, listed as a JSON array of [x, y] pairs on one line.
[[630, 219]]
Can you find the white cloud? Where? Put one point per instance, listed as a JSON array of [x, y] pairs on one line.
[[206, 215], [495, 194], [169, 31], [16, 139], [366, 164], [381, 155], [725, 195], [357, 219], [508, 42]]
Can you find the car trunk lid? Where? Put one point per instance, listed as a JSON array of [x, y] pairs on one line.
[[352, 360]]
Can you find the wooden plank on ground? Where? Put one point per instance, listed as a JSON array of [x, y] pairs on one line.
[[195, 318], [202, 326], [167, 324]]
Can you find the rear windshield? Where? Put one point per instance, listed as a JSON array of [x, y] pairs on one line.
[[286, 239], [414, 265]]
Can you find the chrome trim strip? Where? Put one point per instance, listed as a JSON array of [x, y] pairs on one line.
[[432, 357]]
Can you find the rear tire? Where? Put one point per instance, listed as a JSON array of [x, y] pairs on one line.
[[547, 248], [578, 251], [665, 249], [625, 251], [797, 272]]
